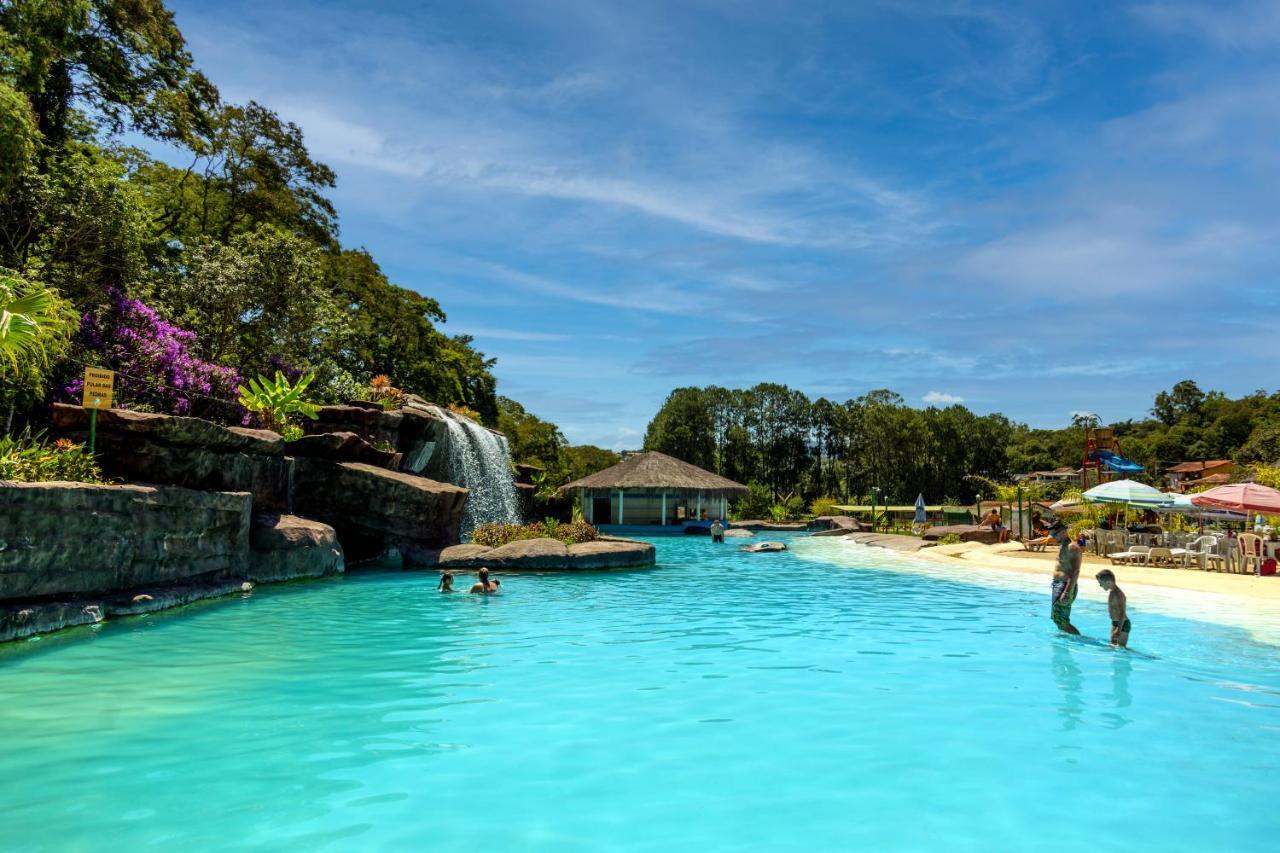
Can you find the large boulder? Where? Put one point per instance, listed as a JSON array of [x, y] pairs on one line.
[[373, 508], [463, 557], [169, 429], [610, 554], [78, 538], [284, 547], [544, 553], [342, 447], [550, 555], [187, 452], [416, 431]]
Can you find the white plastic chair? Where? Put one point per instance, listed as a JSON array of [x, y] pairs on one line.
[[1205, 550], [1250, 547], [1160, 557], [1135, 554]]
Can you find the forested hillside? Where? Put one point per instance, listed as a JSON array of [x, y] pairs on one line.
[[778, 437]]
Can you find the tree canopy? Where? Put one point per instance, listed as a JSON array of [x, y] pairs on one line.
[[788, 444]]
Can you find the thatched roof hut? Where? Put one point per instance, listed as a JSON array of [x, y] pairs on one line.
[[653, 488]]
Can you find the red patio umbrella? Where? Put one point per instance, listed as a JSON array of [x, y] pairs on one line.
[[1241, 497]]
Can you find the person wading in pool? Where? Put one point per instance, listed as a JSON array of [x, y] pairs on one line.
[[717, 531], [1066, 579]]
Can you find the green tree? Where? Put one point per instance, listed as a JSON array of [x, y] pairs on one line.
[[122, 61], [250, 169], [257, 299], [1183, 400], [684, 427]]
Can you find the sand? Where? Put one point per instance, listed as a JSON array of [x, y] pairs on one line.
[[1247, 602], [1010, 557]]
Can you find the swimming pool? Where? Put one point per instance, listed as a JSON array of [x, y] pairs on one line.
[[806, 700]]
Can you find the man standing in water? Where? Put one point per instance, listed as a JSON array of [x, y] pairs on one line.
[[717, 531], [1066, 578]]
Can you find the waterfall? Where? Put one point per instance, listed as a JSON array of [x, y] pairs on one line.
[[480, 461]]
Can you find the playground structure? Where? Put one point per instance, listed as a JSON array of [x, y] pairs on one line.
[[1104, 457]]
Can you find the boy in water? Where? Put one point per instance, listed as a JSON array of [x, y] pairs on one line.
[[446, 582], [1117, 606]]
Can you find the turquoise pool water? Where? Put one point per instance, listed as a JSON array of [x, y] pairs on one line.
[[721, 701]]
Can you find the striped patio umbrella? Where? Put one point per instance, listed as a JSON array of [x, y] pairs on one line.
[[1129, 493]]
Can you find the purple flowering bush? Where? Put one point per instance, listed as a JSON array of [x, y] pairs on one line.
[[153, 362]]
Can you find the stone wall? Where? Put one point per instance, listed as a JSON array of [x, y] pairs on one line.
[[71, 538], [75, 553]]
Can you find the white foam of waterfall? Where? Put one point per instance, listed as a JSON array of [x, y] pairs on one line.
[[480, 461]]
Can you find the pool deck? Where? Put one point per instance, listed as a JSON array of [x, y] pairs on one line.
[[1011, 558]]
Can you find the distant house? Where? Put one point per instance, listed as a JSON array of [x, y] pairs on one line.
[[1057, 475], [1191, 475]]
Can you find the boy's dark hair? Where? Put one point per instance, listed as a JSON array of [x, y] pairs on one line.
[[1106, 575]]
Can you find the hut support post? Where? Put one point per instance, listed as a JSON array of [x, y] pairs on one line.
[[664, 509], [724, 509], [622, 496], [584, 495], [699, 516]]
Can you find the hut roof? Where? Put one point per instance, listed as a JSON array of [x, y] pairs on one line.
[[654, 470]]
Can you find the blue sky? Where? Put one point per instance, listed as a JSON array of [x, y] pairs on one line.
[[1035, 208]]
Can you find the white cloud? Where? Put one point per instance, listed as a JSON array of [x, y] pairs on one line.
[[1247, 24], [939, 398]]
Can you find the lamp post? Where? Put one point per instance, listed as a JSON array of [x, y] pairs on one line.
[[875, 493]]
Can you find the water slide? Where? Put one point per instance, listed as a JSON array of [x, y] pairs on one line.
[[1116, 463]]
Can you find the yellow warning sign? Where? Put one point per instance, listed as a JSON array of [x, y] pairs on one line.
[[98, 384]]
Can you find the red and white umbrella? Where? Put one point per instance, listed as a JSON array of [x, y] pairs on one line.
[[1241, 497]]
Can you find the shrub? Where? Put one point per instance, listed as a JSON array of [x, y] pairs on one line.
[[758, 502], [155, 369], [465, 411], [950, 539], [29, 458], [498, 534], [822, 506], [274, 401], [382, 392]]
